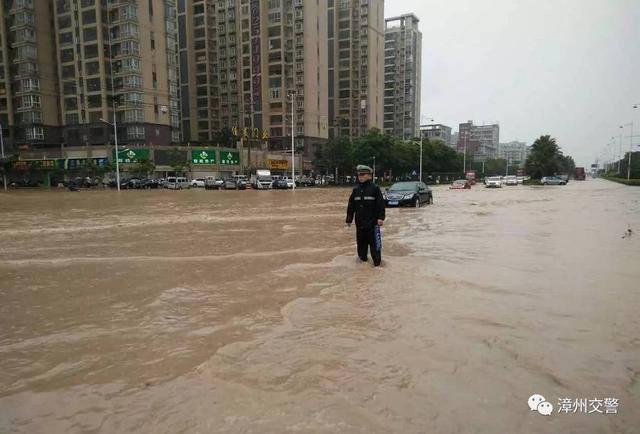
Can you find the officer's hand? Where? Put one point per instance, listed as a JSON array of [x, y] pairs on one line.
[[380, 222], [348, 225]]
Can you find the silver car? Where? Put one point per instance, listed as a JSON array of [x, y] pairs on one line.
[[552, 180]]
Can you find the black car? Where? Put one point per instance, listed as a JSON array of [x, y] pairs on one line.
[[408, 193], [230, 184], [150, 183], [307, 182], [133, 183], [279, 184]]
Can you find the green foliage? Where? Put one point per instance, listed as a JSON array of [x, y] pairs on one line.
[[546, 159], [625, 181], [178, 161], [7, 162], [495, 167], [143, 168], [624, 163], [225, 138], [391, 154], [567, 165]]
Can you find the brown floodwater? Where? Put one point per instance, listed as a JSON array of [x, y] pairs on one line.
[[216, 311]]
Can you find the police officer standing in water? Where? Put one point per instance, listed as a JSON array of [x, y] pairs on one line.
[[367, 203]]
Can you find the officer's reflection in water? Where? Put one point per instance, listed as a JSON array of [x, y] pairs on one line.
[[367, 203]]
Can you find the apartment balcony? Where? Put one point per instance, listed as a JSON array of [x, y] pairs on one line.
[[22, 24], [117, 3], [23, 5], [121, 55], [125, 37]]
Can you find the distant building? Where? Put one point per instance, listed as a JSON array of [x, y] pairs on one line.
[[436, 132], [402, 72], [514, 152], [454, 140], [479, 140]]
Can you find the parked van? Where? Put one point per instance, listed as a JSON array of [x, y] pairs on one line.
[[177, 183]]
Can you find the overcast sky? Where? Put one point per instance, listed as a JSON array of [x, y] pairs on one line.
[[568, 68]]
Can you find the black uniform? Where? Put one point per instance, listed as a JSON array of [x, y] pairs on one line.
[[367, 203]]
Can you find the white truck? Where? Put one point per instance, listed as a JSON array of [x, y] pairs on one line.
[[262, 180]]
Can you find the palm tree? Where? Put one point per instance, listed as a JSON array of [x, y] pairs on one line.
[[544, 159]]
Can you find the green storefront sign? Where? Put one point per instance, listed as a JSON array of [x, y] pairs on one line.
[[203, 157], [128, 156], [230, 157]]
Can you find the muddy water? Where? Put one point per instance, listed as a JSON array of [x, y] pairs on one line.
[[213, 311]]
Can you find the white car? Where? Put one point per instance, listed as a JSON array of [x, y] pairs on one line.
[[198, 182], [493, 182], [289, 182], [177, 183], [511, 180]]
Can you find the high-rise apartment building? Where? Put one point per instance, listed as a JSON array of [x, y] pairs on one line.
[[241, 60], [402, 72], [177, 71], [355, 64], [68, 64], [30, 94], [117, 54]]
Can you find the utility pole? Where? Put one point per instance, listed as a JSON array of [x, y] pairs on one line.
[[293, 133], [619, 157]]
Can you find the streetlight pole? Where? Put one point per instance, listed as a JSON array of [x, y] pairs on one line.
[[630, 152], [293, 133], [113, 99], [374, 169], [420, 159], [115, 136], [4, 175]]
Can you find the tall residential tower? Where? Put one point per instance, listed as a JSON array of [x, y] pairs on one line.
[[356, 59], [402, 72]]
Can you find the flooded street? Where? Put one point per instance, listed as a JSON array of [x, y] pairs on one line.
[[222, 311]]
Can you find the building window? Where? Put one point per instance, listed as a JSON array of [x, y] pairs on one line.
[[32, 117], [133, 116], [94, 101], [71, 118], [135, 132], [91, 68], [89, 17], [30, 84], [90, 34], [153, 41], [274, 18], [91, 51], [34, 133], [63, 22], [66, 38], [130, 65], [29, 101]]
